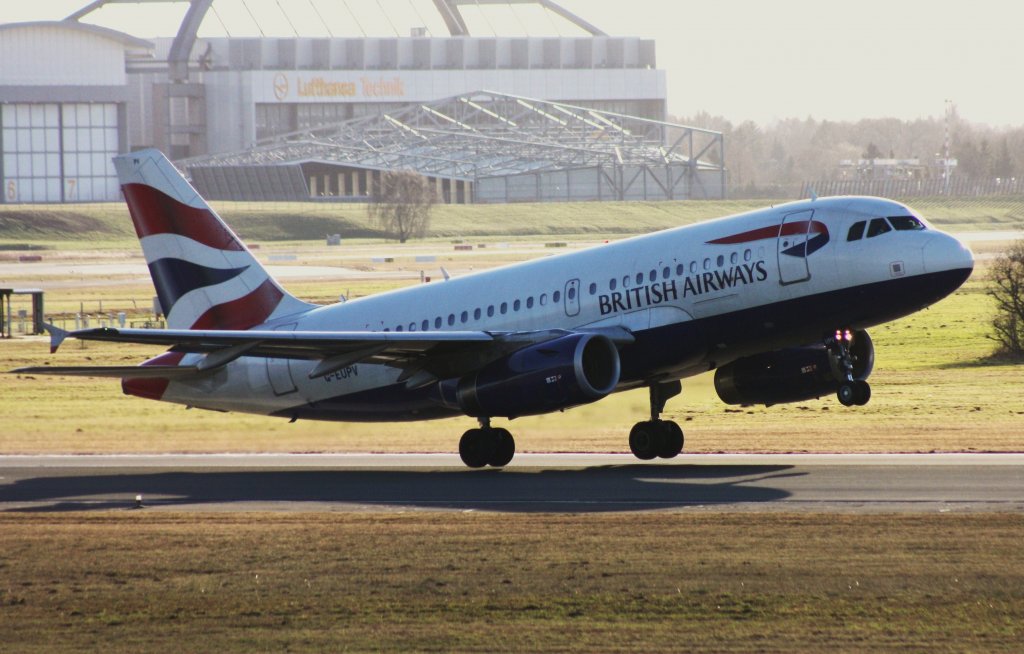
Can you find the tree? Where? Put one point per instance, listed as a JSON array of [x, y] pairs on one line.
[[872, 152], [1003, 166], [400, 204], [1007, 289]]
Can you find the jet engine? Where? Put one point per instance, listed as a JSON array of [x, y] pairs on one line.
[[557, 374], [793, 374]]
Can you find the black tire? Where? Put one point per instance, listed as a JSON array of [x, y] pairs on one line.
[[672, 439], [476, 448], [863, 392], [504, 447], [847, 393], [645, 440]]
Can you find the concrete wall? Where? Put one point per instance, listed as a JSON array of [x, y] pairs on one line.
[[53, 55]]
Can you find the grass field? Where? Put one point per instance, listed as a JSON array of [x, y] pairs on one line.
[[935, 389], [486, 582], [107, 226]]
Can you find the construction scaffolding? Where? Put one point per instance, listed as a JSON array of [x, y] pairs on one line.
[[493, 147]]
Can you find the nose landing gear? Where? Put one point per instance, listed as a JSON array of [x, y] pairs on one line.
[[851, 392], [655, 437]]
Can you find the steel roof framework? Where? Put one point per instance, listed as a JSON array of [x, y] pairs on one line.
[[487, 134]]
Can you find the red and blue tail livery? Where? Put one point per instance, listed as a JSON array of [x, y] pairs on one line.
[[204, 275], [776, 301]]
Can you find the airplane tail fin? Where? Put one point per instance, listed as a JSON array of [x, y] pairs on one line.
[[204, 275]]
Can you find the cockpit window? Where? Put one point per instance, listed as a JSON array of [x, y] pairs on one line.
[[878, 226], [906, 223], [856, 231]]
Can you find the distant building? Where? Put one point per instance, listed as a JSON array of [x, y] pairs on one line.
[[73, 94], [893, 169]]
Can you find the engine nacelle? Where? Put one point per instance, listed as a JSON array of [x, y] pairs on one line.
[[791, 375], [558, 374]]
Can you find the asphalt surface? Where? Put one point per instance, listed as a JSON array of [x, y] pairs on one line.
[[533, 483]]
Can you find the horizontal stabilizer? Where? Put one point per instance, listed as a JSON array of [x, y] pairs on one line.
[[121, 372], [57, 336]]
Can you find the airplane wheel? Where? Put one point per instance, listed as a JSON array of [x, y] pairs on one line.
[[476, 448], [504, 449], [863, 392], [847, 393], [645, 440], [672, 439]]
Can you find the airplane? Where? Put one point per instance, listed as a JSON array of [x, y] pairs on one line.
[[777, 301]]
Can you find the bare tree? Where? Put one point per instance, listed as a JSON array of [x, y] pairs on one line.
[[1007, 289], [400, 204]]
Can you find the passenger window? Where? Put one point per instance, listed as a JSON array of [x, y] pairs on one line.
[[653, 275], [490, 311], [437, 322], [504, 308], [856, 231], [693, 267], [639, 279], [529, 302], [612, 284], [557, 295], [464, 318], [543, 299], [720, 260], [878, 226], [425, 325], [593, 288], [451, 319], [747, 254], [517, 304], [707, 264], [398, 328], [680, 269], [412, 326], [625, 281], [906, 223], [666, 272], [476, 313]]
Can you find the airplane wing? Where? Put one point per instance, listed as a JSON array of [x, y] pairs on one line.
[[423, 356]]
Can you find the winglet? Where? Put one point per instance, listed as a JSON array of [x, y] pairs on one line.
[[57, 336]]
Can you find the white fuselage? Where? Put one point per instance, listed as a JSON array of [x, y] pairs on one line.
[[693, 303]]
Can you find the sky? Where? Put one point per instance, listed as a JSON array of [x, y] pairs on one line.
[[759, 60]]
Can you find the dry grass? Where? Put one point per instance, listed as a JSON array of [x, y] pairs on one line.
[[485, 582]]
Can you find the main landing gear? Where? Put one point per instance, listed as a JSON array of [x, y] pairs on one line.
[[487, 446], [655, 437], [851, 391]]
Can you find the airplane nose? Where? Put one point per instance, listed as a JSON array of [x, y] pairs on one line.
[[943, 253]]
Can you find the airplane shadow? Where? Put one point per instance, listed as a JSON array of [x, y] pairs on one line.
[[588, 490]]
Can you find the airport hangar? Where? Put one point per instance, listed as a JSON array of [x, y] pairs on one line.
[[485, 119]]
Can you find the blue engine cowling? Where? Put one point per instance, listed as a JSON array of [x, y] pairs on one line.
[[557, 374], [790, 375]]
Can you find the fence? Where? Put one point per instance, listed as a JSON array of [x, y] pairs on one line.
[[914, 188]]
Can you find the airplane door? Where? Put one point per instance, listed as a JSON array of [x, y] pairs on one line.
[[793, 237], [279, 370], [572, 297]]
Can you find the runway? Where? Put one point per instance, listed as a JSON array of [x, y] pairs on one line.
[[533, 483]]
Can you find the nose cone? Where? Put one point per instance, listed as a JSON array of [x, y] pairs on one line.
[[943, 253], [947, 263]]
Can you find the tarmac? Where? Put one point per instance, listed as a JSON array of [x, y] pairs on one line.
[[533, 483]]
